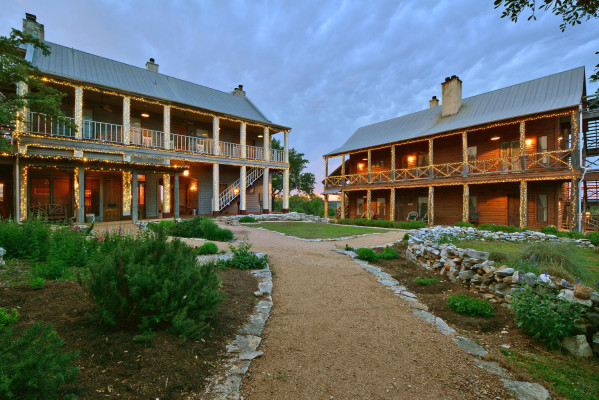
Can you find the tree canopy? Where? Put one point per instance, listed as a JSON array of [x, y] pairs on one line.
[[572, 12], [303, 182]]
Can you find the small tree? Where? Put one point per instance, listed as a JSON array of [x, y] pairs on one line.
[[302, 182]]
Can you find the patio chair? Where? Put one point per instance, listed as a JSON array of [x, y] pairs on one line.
[[412, 216]]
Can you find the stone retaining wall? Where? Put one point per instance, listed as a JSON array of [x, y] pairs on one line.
[[292, 216], [497, 283]]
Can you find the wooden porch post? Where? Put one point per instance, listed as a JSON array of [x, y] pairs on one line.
[[166, 126], [343, 170], [392, 205], [266, 141], [127, 121], [166, 195], [326, 206], [22, 113], [265, 191], [431, 205], [242, 189], [575, 128], [176, 210], [79, 111], [575, 206], [523, 204], [393, 163], [286, 190], [342, 205], [215, 139], [369, 166], [326, 171], [134, 205], [126, 195], [523, 146], [80, 194], [430, 159], [465, 154], [466, 203], [368, 202]]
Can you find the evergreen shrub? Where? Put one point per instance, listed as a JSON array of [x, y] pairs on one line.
[[245, 259], [208, 248], [366, 254], [247, 218], [470, 306]]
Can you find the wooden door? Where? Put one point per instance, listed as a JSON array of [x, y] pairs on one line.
[[513, 209], [112, 199]]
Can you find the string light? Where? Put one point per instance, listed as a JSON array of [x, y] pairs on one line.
[[166, 186], [368, 200], [79, 111], [76, 187], [23, 193], [466, 203], [126, 119], [431, 205], [127, 176], [392, 205], [523, 204]]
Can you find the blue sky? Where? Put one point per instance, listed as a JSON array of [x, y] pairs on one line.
[[325, 68]]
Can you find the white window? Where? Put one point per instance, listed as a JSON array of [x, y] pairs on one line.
[[542, 208]]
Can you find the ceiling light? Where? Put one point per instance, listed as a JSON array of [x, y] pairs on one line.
[[495, 138], [360, 166], [365, 159], [145, 115], [260, 136]]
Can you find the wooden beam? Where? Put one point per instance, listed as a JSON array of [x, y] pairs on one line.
[[369, 166], [523, 205], [465, 154], [393, 162], [343, 205], [575, 129], [326, 206], [392, 206], [431, 205], [430, 158], [326, 172], [522, 145], [368, 202], [465, 203]]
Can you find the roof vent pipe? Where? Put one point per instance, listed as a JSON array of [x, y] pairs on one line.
[[451, 100]]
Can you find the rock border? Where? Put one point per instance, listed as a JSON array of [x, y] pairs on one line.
[[322, 239], [523, 390], [226, 384]]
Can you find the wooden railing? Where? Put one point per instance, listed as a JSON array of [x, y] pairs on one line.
[[447, 170], [547, 160], [493, 165]]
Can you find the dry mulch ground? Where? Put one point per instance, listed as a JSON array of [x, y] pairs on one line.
[[112, 364]]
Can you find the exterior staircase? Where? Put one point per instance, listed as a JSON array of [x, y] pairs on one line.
[[231, 193]]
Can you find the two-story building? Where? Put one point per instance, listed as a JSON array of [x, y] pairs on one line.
[[524, 155], [146, 145]]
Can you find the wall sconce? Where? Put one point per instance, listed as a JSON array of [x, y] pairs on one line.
[[193, 187], [528, 142], [411, 159], [236, 190], [186, 172], [495, 138], [360, 166]]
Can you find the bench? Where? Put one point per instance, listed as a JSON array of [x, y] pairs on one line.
[[49, 212]]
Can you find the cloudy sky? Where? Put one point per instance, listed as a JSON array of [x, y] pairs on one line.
[[322, 67]]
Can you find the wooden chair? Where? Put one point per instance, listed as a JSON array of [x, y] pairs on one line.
[[49, 212]]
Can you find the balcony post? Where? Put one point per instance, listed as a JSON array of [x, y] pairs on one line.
[[393, 162], [166, 195], [286, 146], [523, 204], [392, 205], [575, 214], [79, 111], [266, 140], [342, 170], [127, 120], [326, 172], [166, 127], [326, 206], [134, 195], [215, 141], [430, 159], [215, 184], [23, 113], [342, 205], [286, 189], [466, 203], [126, 207], [80, 194], [242, 189], [522, 146], [431, 206], [464, 154], [176, 210], [369, 166], [21, 204], [266, 191], [368, 204], [576, 139], [242, 139]]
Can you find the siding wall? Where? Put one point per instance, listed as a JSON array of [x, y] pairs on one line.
[[152, 196]]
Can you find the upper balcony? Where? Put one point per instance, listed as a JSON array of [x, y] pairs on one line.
[[104, 132]]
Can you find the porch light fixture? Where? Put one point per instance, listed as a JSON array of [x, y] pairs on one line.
[[145, 115], [410, 158], [528, 142], [361, 166], [186, 172], [236, 191], [495, 138], [260, 136]]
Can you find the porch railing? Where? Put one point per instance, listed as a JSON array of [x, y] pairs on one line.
[[147, 137], [229, 149], [547, 160], [101, 131], [192, 144], [277, 155], [406, 174], [447, 170], [254, 153], [381, 176], [43, 124], [494, 165]]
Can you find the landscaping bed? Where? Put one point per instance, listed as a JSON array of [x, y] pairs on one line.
[[113, 364], [313, 230]]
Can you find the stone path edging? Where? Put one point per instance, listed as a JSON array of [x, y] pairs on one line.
[[523, 390], [226, 384], [322, 239]]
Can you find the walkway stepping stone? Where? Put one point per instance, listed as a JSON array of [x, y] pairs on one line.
[[444, 328], [470, 347], [492, 367], [426, 316], [527, 390]]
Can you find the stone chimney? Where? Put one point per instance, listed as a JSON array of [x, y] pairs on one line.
[[451, 96], [238, 91], [32, 27], [434, 102], [152, 66]]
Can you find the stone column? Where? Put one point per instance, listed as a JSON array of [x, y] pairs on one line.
[[369, 166], [266, 141], [134, 205], [215, 192], [242, 139], [79, 111], [215, 139], [286, 190], [392, 205], [127, 122], [242, 189], [466, 203], [166, 127], [464, 154], [266, 191], [431, 205], [176, 210], [523, 205], [166, 196], [126, 195], [368, 204], [522, 146], [80, 194]]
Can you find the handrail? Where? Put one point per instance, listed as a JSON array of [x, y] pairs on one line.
[[44, 125], [147, 137], [447, 170], [227, 196], [230, 149], [493, 165], [405, 174], [102, 131], [254, 152], [191, 144], [382, 176], [549, 159], [592, 102], [277, 155]]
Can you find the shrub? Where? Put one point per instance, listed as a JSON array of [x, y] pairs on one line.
[[542, 315], [348, 247], [498, 256], [30, 240], [549, 230], [406, 236], [498, 228], [389, 253], [426, 281], [150, 282], [381, 223], [36, 282], [208, 248], [69, 249], [211, 231], [244, 259], [247, 218], [367, 254], [34, 365], [464, 224], [8, 318], [469, 306], [594, 238], [163, 227], [199, 227]]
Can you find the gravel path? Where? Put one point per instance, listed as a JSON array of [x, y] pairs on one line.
[[335, 332]]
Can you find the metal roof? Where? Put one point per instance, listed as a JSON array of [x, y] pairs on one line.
[[81, 66], [553, 92]]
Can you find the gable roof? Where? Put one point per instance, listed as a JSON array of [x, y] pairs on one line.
[[553, 92], [74, 64]]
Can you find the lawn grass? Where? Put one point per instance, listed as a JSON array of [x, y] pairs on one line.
[[564, 260], [307, 230], [574, 379]]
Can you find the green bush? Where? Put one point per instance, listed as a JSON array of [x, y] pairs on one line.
[[406, 236], [498, 228], [69, 249], [389, 253], [426, 281], [8, 318], [464, 224], [36, 282], [247, 218], [381, 223], [594, 238], [367, 254], [211, 231], [542, 315], [498, 256], [153, 283], [200, 227], [245, 259], [34, 366], [208, 248], [469, 306], [29, 240], [163, 227], [549, 230]]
